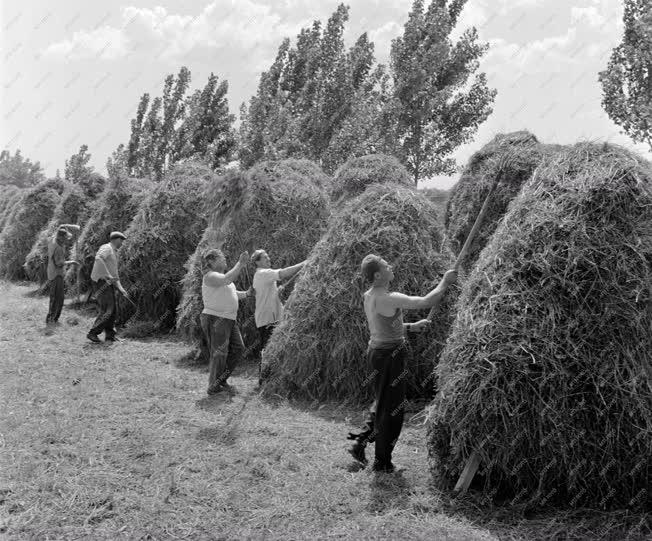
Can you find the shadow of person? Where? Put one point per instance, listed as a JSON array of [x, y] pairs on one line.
[[388, 491]]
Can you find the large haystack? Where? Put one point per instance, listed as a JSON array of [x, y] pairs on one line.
[[161, 237], [73, 208], [27, 219], [468, 195], [318, 350], [547, 373], [356, 174], [113, 211], [280, 206]]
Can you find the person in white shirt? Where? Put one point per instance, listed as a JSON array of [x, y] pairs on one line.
[[105, 275], [218, 319], [269, 308]]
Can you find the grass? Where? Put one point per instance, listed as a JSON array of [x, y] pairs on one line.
[[120, 442]]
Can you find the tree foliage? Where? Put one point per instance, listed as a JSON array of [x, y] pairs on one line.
[[627, 81], [320, 101], [176, 127], [78, 171], [18, 170]]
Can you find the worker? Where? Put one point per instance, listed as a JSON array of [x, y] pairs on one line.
[[56, 261]]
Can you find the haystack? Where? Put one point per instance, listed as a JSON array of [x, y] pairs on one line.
[[73, 208], [113, 211], [161, 237], [24, 224], [318, 350], [9, 197], [547, 373], [356, 174], [280, 206], [467, 196]]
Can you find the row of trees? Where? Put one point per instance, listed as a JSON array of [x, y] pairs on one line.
[[323, 101]]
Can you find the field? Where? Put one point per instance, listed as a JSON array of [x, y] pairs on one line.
[[121, 442]]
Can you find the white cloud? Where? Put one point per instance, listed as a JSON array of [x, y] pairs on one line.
[[238, 25], [587, 15], [105, 43]]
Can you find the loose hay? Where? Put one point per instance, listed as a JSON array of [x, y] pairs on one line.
[[318, 350], [547, 373], [113, 211], [467, 196], [280, 206], [26, 221], [72, 209], [162, 235], [356, 174]]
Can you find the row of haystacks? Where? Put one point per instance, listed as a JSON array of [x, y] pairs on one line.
[[318, 350], [112, 211], [162, 235], [547, 372], [30, 214], [510, 160], [280, 206], [73, 208]]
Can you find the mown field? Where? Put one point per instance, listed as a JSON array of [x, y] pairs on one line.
[[121, 442]]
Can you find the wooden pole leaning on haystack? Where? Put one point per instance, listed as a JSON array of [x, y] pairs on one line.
[[473, 462]]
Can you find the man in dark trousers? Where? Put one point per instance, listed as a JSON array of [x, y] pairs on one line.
[[386, 355], [56, 261], [105, 275]]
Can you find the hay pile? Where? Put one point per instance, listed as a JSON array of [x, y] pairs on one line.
[[547, 372], [280, 206], [318, 350], [73, 208], [161, 237], [27, 219], [113, 211], [10, 196], [356, 174], [468, 195]]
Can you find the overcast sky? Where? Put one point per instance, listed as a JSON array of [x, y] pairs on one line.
[[73, 70]]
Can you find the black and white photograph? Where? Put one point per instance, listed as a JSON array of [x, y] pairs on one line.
[[295, 270]]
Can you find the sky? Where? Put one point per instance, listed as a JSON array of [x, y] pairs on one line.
[[73, 71]]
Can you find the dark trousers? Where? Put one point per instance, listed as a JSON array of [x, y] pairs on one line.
[[225, 346], [388, 366], [105, 321], [56, 299], [264, 333]]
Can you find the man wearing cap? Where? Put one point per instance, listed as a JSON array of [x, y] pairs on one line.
[[105, 275], [269, 308], [56, 261]]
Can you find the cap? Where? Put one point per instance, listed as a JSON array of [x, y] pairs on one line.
[[256, 255], [116, 235]]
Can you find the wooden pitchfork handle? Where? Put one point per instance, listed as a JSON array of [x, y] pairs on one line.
[[476, 225]]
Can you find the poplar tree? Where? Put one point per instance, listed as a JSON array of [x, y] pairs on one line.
[[439, 100], [627, 81]]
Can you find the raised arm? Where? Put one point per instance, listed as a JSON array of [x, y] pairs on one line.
[[217, 279], [408, 302], [287, 272]]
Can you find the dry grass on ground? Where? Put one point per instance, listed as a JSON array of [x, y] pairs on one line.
[[120, 442]]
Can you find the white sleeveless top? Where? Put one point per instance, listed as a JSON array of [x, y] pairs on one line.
[[221, 301]]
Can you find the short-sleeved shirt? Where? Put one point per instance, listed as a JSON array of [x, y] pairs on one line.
[[269, 308], [220, 301], [106, 260], [56, 259]]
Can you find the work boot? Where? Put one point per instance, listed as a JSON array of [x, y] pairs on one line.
[[93, 338], [357, 450]]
